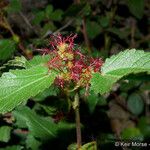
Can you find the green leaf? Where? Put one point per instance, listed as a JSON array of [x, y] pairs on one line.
[[49, 10], [118, 66], [14, 147], [126, 62], [39, 16], [118, 32], [135, 104], [32, 143], [7, 47], [19, 85], [131, 134], [5, 133], [52, 91], [14, 6], [144, 126], [95, 99], [47, 28], [136, 7], [37, 61], [102, 84], [92, 100], [93, 29], [56, 15], [104, 21], [89, 146], [19, 121], [72, 146], [16, 62], [129, 85], [86, 10], [40, 127], [74, 9]]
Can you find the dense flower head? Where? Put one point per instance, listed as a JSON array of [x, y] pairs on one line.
[[75, 67]]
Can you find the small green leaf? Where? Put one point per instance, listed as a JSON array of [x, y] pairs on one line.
[[120, 65], [14, 6], [7, 48], [129, 84], [16, 62], [135, 104], [74, 9], [93, 29], [86, 10], [39, 16], [14, 147], [93, 100], [144, 126], [118, 32], [131, 134], [104, 21], [56, 15], [32, 143], [47, 28], [5, 133], [49, 10], [89, 146], [136, 7], [72, 146], [18, 86], [19, 121]]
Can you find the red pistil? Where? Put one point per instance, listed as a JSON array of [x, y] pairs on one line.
[[74, 66]]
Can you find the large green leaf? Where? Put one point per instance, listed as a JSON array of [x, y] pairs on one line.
[[118, 66], [40, 127], [17, 86]]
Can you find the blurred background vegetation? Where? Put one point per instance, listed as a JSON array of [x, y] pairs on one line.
[[104, 28]]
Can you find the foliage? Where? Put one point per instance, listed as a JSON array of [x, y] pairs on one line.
[[19, 85], [116, 67]]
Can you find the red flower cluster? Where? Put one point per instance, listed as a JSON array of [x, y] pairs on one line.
[[74, 67]]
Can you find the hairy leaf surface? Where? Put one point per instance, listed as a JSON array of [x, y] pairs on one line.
[[17, 86], [118, 66]]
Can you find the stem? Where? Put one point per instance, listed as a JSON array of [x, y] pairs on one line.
[[84, 31], [77, 118], [86, 39]]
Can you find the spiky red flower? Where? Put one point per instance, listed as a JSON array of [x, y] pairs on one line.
[[74, 66], [59, 40]]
